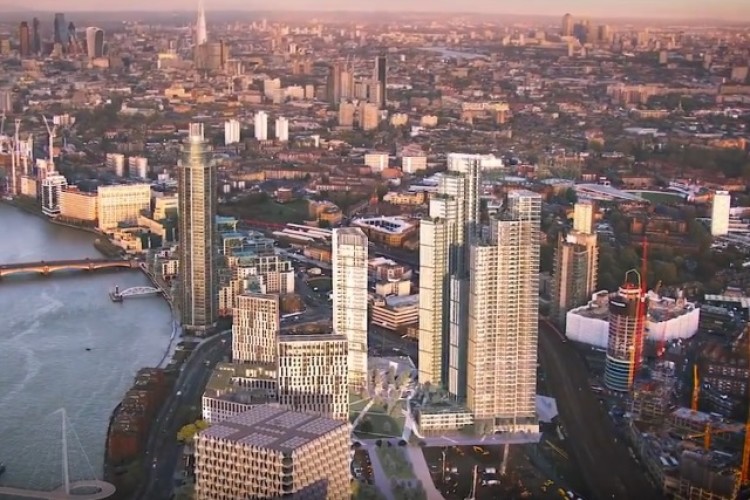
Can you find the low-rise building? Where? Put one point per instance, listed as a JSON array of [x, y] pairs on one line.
[[395, 312], [389, 231], [77, 205]]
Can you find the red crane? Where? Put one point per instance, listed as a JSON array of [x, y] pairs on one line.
[[640, 325]]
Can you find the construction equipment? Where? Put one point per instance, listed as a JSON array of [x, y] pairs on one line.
[[707, 434], [696, 389], [51, 131]]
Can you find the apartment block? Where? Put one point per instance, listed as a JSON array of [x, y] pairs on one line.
[[122, 204], [312, 374], [255, 328]]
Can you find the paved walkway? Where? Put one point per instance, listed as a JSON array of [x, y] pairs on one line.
[[382, 481], [422, 472], [105, 490]]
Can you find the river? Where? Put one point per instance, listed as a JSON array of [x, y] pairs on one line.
[[64, 344]]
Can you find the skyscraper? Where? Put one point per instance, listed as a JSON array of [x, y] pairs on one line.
[[261, 126], [198, 234], [503, 318], [381, 75], [61, 30], [24, 39], [333, 83], [576, 264], [567, 25], [36, 37], [452, 226], [94, 42], [720, 208], [201, 34], [350, 247], [625, 340]]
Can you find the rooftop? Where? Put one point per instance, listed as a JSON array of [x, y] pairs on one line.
[[272, 428], [393, 225]]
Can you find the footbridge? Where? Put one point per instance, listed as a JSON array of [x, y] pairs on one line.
[[45, 268]]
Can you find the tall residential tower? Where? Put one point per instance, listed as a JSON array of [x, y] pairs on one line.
[[198, 234], [503, 319], [350, 247]]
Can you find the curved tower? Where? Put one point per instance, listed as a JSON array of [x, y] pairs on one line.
[[626, 327], [201, 35]]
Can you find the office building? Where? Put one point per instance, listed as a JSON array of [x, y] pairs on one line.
[[503, 318], [94, 42], [52, 186], [261, 126], [282, 129], [60, 34], [36, 37], [625, 340], [720, 207], [350, 298], [231, 132], [122, 204], [198, 234], [313, 376], [255, 328], [270, 452], [78, 205], [24, 39], [575, 265], [567, 25], [381, 77], [377, 161]]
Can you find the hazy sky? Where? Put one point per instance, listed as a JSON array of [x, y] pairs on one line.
[[713, 9]]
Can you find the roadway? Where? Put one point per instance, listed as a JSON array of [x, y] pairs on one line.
[[607, 467], [162, 450]]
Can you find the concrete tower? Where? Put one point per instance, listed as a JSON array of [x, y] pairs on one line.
[[198, 234]]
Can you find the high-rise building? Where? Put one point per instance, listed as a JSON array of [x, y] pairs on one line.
[[36, 36], [282, 129], [270, 452], [576, 264], [567, 25], [625, 341], [346, 114], [443, 317], [381, 77], [333, 84], [350, 247], [503, 318], [720, 208], [313, 374], [198, 234], [72, 38], [369, 116], [201, 34], [24, 39], [122, 203], [261, 126], [231, 132], [255, 328], [61, 30], [94, 42], [52, 186]]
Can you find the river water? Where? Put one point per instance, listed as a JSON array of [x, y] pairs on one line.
[[46, 326]]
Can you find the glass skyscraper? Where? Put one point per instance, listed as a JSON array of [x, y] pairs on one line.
[[198, 234]]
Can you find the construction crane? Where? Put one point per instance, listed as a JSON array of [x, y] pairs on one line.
[[51, 131], [696, 389], [640, 322], [707, 434]]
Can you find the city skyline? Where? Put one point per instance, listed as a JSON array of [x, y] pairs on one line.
[[733, 10]]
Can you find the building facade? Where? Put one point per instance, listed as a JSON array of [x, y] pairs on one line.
[[255, 328], [78, 205], [503, 319], [350, 248], [313, 375], [52, 187], [269, 452], [625, 342], [231, 132], [720, 213], [261, 126], [282, 129], [198, 234], [122, 204]]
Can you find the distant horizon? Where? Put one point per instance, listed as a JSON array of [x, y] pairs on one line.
[[680, 10]]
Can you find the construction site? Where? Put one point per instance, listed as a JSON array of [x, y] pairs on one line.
[[684, 410]]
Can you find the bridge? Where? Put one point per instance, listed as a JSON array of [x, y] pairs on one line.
[[88, 489], [136, 291], [46, 268]]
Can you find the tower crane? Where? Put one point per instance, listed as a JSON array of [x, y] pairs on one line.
[[51, 131], [696, 389]]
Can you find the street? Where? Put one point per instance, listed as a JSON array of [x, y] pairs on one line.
[[162, 449], [608, 469]]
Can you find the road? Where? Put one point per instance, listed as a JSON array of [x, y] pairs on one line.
[[608, 469], [162, 449]]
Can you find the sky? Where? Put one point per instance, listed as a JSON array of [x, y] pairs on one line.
[[708, 9]]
